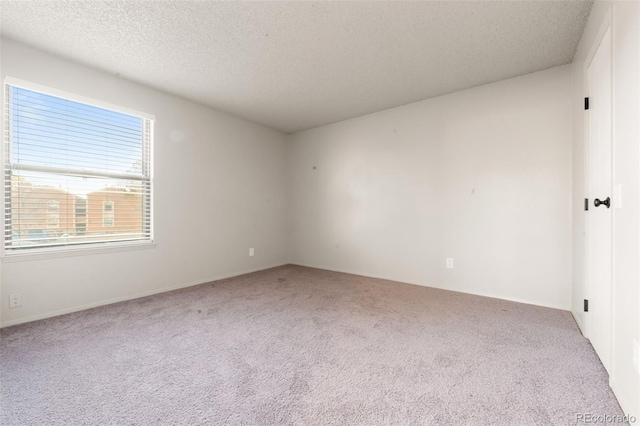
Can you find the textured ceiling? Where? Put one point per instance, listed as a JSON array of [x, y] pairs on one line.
[[297, 65]]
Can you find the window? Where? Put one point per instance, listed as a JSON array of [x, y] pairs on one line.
[[68, 165], [53, 214], [80, 216], [107, 214]]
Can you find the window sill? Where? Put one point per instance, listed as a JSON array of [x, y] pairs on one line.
[[49, 253]]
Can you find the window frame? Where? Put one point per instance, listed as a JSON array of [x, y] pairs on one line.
[[80, 249]]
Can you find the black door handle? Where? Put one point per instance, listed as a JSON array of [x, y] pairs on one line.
[[606, 202]]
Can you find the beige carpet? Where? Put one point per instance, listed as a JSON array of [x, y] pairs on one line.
[[295, 345]]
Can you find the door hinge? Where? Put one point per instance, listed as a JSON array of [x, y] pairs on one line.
[[586, 204], [586, 103], [586, 305]]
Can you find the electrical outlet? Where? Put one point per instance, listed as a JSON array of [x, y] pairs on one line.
[[15, 300], [449, 263], [636, 356], [251, 252]]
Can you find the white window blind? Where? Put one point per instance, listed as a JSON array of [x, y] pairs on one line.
[[74, 173]]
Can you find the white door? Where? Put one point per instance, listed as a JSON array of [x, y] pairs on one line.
[[599, 286]]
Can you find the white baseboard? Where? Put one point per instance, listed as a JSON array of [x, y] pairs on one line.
[[131, 296], [624, 402], [235, 274], [493, 296], [580, 323]]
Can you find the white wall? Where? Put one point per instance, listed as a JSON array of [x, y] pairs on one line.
[[482, 176], [217, 193], [625, 22]]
